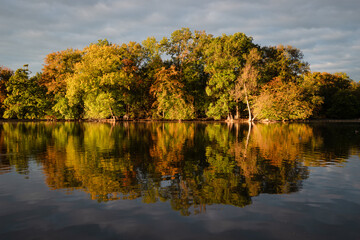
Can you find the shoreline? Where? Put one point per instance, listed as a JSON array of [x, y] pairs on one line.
[[202, 120]]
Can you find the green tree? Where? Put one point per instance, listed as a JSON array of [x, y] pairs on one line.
[[26, 98], [186, 51], [224, 60], [137, 97], [336, 91], [281, 61], [152, 63], [5, 75], [346, 105], [284, 95]]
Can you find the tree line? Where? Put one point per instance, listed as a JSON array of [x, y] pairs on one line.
[[189, 75]]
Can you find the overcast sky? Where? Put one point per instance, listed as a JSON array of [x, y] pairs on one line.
[[327, 31]]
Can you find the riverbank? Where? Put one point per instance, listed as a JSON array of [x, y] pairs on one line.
[[192, 120]]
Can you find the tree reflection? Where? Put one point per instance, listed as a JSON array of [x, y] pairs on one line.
[[191, 165]]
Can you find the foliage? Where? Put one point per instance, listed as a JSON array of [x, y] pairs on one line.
[[247, 82], [171, 100], [26, 98], [57, 68], [151, 64], [5, 75], [137, 101], [282, 101], [224, 59], [186, 50], [190, 74], [337, 91], [345, 105], [284, 62], [102, 80]]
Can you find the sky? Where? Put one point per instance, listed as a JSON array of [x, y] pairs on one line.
[[326, 31]]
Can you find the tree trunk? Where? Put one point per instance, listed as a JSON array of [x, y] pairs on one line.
[[230, 118], [237, 116], [247, 103], [112, 114]]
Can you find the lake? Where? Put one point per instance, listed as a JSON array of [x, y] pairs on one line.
[[156, 180]]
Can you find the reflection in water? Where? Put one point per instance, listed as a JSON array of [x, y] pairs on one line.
[[190, 165]]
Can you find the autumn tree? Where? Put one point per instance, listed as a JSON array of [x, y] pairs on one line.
[[57, 68], [247, 82], [284, 96], [171, 99], [279, 100], [102, 80], [178, 47], [212, 76]]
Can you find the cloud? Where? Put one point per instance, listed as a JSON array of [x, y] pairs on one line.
[[327, 31]]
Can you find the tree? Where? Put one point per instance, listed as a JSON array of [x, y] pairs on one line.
[[26, 98], [279, 100], [178, 47], [171, 100], [5, 75], [137, 97], [152, 63], [224, 60], [284, 62], [212, 76], [57, 68], [346, 105], [102, 80], [330, 88], [284, 95], [247, 82], [186, 51]]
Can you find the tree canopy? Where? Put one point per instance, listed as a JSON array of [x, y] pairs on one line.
[[189, 75], [25, 98]]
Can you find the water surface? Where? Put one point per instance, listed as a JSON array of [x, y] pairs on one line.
[[179, 181]]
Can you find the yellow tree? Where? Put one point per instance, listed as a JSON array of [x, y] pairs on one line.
[[102, 80], [247, 82], [283, 101]]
